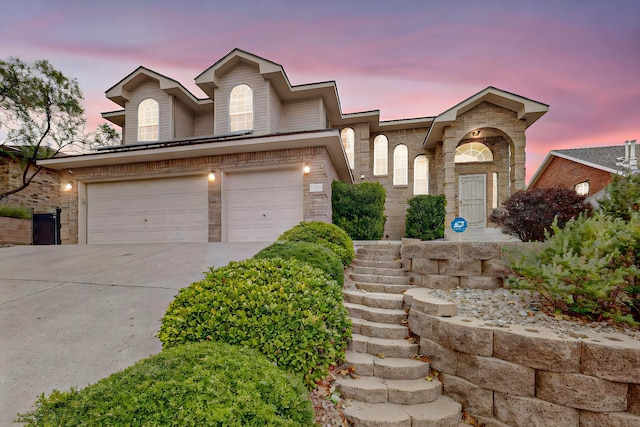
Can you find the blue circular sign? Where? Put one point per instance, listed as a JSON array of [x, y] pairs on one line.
[[459, 224]]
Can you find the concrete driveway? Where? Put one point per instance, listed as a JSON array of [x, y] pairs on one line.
[[71, 315]]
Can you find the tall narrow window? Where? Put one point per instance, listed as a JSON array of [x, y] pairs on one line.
[[420, 175], [348, 142], [400, 161], [495, 202], [473, 152], [241, 108], [148, 117], [380, 155]]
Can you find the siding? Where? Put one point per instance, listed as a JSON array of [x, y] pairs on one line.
[[301, 115], [184, 120], [150, 89], [275, 112], [204, 123], [242, 74]]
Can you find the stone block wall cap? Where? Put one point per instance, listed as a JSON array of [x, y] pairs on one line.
[[538, 332], [612, 340]]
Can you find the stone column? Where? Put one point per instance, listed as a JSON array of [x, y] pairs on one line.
[[450, 183], [517, 162]]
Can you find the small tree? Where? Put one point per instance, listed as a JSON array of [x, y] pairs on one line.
[[528, 214], [623, 196], [41, 113], [425, 217]]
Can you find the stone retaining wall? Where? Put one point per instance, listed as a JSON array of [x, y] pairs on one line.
[[15, 231], [516, 376]]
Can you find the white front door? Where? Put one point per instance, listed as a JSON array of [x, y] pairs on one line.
[[472, 198]]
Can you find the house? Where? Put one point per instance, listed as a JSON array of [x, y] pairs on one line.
[[258, 155], [587, 170]]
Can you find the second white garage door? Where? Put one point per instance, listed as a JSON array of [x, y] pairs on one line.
[[148, 211], [262, 205]]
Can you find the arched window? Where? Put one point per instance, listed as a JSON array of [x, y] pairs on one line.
[[380, 155], [400, 161], [148, 117], [420, 175], [473, 152], [348, 142], [241, 108]]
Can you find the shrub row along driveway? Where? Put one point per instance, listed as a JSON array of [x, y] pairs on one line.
[[71, 315]]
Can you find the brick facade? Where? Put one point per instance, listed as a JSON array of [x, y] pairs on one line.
[[566, 174]]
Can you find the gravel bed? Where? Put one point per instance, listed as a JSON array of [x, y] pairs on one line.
[[504, 307]]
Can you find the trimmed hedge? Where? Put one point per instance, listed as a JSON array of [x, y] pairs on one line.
[[12, 211], [359, 209], [425, 217], [312, 253], [204, 384], [329, 235], [290, 311]]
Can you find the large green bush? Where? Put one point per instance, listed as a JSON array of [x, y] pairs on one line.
[[425, 217], [312, 253], [359, 209], [290, 311], [623, 196], [329, 235], [205, 384], [588, 269], [528, 214], [12, 211]]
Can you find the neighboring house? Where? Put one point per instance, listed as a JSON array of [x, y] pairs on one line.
[[587, 170], [258, 155], [42, 195]]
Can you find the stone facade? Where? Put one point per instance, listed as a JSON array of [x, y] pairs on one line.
[[14, 231], [42, 195]]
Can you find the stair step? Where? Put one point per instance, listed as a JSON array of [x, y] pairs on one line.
[[377, 263], [382, 346], [379, 271], [382, 287], [390, 367], [369, 256], [379, 390], [443, 412], [373, 278], [378, 330], [374, 299], [379, 249], [380, 315]]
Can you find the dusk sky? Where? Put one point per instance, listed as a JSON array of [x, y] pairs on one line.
[[405, 58]]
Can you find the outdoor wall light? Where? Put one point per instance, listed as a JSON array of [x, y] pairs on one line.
[[306, 169], [68, 186], [475, 133], [212, 177]]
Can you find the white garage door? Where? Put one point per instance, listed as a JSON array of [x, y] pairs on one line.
[[261, 205], [147, 211]]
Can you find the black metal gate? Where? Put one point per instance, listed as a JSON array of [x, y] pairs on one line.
[[46, 228]]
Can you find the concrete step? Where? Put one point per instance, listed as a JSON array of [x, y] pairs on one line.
[[443, 412], [380, 315], [382, 287], [378, 330], [390, 367], [379, 249], [375, 263], [372, 278], [379, 390], [379, 271], [383, 347], [369, 256], [374, 299]]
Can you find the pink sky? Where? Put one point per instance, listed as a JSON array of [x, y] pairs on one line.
[[406, 58]]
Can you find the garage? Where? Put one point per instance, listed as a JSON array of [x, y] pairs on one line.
[[260, 205], [148, 211]]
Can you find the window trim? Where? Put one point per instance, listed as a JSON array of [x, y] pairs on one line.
[[381, 152], [401, 171], [243, 118], [148, 120]]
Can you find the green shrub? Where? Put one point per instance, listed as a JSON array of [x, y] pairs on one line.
[[205, 384], [529, 214], [329, 235], [312, 253], [288, 310], [359, 209], [425, 217], [589, 269], [623, 196], [12, 211]]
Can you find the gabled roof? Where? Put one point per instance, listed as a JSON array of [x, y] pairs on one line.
[[601, 158], [527, 109]]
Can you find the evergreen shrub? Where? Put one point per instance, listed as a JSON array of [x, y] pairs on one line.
[[312, 253], [590, 269], [204, 384], [290, 311], [322, 233], [425, 217], [12, 211], [623, 196], [359, 209], [528, 214]]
